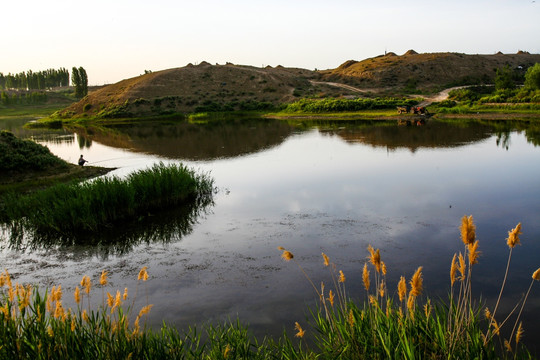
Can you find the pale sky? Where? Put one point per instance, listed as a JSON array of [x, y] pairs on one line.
[[119, 39]]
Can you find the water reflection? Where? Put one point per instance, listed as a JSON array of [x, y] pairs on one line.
[[162, 227], [187, 140]]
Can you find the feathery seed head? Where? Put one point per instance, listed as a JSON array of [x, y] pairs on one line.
[[124, 297], [281, 248], [427, 309], [453, 269], [462, 267], [298, 328], [341, 277], [383, 267], [287, 255], [103, 278], [473, 253], [381, 289], [145, 310], [77, 295], [227, 351], [536, 274], [416, 282], [365, 277], [519, 334], [468, 230], [402, 289], [110, 299], [410, 303], [143, 274], [350, 318], [326, 260], [375, 258], [513, 236], [507, 346], [487, 314], [331, 297]]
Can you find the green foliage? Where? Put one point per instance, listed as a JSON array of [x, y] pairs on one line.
[[21, 155], [79, 79], [93, 205], [23, 98], [35, 80], [532, 77], [341, 105], [504, 78]]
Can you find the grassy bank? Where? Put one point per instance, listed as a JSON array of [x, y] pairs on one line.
[[72, 208], [26, 166], [398, 322]]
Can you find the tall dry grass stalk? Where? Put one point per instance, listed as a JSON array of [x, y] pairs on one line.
[[511, 241]]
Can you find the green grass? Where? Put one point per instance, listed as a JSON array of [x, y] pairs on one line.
[[42, 110], [103, 202]]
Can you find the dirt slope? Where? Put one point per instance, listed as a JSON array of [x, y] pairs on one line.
[[426, 71], [191, 88]]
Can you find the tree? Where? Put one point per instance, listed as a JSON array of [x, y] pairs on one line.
[[503, 78], [532, 77], [79, 79], [84, 81]]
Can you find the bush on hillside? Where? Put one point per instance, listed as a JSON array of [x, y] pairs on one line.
[[20, 155]]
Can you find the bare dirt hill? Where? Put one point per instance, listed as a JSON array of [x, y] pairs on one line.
[[206, 87], [431, 71], [196, 88]]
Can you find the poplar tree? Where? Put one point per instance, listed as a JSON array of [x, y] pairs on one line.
[[76, 82], [79, 79]]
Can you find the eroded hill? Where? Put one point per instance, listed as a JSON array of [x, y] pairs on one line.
[[432, 71], [206, 87]]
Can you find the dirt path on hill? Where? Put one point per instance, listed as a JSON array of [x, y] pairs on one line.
[[443, 95], [343, 86]]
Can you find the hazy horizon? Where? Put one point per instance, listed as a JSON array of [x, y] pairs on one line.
[[121, 39]]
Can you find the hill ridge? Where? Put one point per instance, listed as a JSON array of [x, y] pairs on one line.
[[206, 87]]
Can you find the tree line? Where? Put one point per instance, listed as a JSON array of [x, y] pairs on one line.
[[47, 79], [39, 80]]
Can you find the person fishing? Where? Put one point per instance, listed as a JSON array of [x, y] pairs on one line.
[[82, 161]]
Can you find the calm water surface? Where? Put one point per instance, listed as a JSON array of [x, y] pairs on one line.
[[332, 188]]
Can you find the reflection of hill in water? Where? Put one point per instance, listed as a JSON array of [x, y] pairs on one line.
[[185, 140], [432, 134]]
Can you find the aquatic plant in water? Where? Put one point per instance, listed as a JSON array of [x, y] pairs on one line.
[[106, 202]]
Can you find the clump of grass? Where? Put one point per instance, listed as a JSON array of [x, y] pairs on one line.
[[106, 201], [407, 327]]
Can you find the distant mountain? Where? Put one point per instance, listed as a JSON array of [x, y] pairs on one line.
[[206, 87]]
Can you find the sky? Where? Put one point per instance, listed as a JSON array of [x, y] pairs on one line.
[[119, 39]]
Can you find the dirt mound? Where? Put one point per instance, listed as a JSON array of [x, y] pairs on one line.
[[428, 71], [202, 87], [411, 52]]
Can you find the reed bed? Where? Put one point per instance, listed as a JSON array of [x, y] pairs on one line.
[[106, 201], [37, 326], [409, 326]]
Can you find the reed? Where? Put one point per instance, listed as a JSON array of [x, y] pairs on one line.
[[106, 201], [414, 326]]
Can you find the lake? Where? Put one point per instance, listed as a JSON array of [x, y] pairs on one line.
[[332, 187]]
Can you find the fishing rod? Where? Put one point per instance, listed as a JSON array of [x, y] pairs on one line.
[[118, 158]]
